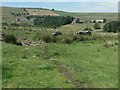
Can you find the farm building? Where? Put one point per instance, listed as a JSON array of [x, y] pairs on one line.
[[99, 21], [18, 19], [78, 20]]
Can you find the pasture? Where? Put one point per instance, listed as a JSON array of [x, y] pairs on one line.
[[90, 16], [64, 61], [89, 61]]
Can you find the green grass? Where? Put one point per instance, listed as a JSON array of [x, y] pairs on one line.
[[29, 70], [89, 16], [6, 13], [67, 29], [7, 16], [92, 63], [78, 27]]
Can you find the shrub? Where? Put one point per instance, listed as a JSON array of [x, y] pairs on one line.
[[116, 43], [108, 44], [67, 40], [53, 9], [59, 39], [4, 24], [56, 53], [94, 21], [76, 37], [47, 38], [37, 36], [52, 21], [104, 20], [84, 38], [54, 39], [87, 29], [9, 38], [113, 26], [14, 24], [97, 26]]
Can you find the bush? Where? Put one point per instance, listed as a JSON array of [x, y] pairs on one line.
[[53, 9], [67, 40], [76, 37], [54, 39], [97, 26], [84, 38], [14, 24], [104, 20], [52, 21], [108, 44], [37, 37], [113, 26], [87, 29], [47, 38], [9, 39]]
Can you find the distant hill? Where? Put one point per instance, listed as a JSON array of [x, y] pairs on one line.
[[8, 13], [89, 16], [41, 12]]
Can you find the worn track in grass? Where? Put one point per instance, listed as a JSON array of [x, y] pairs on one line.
[[69, 75], [62, 69]]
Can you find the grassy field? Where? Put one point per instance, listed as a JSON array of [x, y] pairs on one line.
[[30, 32], [90, 16], [7, 16], [29, 69], [41, 12], [90, 62], [6, 13]]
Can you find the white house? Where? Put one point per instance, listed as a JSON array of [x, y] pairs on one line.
[[99, 21]]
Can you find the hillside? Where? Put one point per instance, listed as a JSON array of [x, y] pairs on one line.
[[48, 52], [90, 16], [7, 13], [41, 12]]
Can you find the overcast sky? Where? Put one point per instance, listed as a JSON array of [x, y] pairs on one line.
[[111, 6]]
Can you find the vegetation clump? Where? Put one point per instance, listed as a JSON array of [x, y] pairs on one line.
[[97, 26], [87, 29], [9, 39], [47, 38], [52, 21], [113, 26]]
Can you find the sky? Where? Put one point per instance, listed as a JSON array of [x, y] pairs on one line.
[[69, 6]]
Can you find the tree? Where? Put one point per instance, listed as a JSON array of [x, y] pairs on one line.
[[53, 9], [97, 26], [52, 21], [77, 20], [104, 20], [113, 26], [94, 21]]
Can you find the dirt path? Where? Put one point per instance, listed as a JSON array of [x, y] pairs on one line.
[[62, 69], [69, 75]]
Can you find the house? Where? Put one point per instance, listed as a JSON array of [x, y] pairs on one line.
[[18, 19], [78, 20], [99, 21]]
